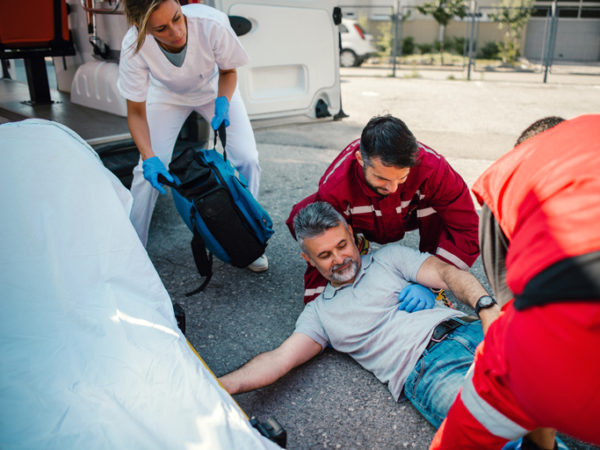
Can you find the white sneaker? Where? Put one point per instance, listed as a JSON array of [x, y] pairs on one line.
[[260, 264]]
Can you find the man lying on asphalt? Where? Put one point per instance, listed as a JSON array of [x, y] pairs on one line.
[[416, 344]]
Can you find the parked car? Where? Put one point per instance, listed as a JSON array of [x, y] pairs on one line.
[[357, 45]]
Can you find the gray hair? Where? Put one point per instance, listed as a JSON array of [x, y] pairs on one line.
[[314, 219]]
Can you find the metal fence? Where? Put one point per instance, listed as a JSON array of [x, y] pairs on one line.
[[556, 32]]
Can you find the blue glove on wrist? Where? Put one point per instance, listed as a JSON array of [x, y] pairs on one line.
[[153, 167], [415, 297], [221, 113]]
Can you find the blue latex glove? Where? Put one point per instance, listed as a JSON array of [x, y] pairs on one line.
[[221, 113], [415, 297], [153, 167]]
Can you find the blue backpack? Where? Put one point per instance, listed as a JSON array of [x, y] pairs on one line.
[[214, 201]]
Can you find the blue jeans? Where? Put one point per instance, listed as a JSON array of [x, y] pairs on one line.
[[437, 377]]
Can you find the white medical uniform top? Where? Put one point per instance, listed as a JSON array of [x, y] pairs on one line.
[[212, 45]]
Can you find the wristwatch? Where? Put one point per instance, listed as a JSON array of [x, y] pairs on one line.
[[484, 302]]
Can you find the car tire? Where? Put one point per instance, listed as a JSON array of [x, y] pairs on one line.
[[348, 58]]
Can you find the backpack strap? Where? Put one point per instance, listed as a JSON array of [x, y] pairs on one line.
[[202, 258], [222, 137]]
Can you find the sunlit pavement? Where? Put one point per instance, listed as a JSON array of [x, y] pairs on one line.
[[331, 402]]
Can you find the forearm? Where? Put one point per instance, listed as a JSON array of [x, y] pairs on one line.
[[268, 367], [260, 371], [227, 83], [468, 290], [138, 127], [463, 285]]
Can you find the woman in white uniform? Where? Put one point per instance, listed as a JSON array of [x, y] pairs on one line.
[[175, 60]]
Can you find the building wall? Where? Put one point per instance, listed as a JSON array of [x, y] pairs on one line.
[[425, 29], [578, 38], [570, 35]]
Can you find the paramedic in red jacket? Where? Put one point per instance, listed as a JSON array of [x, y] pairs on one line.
[[387, 183], [539, 363]]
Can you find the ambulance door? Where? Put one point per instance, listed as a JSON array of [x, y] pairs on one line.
[[294, 63]]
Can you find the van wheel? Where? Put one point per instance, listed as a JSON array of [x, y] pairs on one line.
[[348, 58]]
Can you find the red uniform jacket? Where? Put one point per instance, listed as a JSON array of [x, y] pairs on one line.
[[434, 199], [545, 196]]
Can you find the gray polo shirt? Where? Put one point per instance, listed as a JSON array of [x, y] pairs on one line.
[[362, 319]]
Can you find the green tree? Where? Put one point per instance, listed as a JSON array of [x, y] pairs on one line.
[[384, 36], [512, 16], [443, 11]]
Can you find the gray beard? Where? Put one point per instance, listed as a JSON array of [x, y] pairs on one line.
[[345, 276]]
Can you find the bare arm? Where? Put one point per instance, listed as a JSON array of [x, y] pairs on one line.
[[268, 367], [138, 127], [435, 273], [227, 83]]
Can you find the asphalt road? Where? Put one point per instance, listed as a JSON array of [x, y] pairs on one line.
[[331, 402]]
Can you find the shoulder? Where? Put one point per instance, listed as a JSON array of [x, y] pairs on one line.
[[408, 260], [429, 159], [428, 151], [212, 32], [342, 163], [340, 177], [433, 169], [129, 40], [131, 35], [394, 251], [432, 161], [309, 324], [309, 317], [198, 12]]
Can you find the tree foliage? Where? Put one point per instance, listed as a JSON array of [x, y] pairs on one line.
[[443, 11], [512, 16]]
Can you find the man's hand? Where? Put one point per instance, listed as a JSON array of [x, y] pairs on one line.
[[415, 297]]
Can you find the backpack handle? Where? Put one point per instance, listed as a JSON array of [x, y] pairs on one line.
[[161, 179], [222, 137]]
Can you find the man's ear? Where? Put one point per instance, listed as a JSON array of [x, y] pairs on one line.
[[359, 158], [307, 259]]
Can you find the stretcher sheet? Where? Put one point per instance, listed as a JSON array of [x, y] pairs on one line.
[[91, 356]]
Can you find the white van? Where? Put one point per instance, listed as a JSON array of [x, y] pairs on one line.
[[293, 47], [292, 75]]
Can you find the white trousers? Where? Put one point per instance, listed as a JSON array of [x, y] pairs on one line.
[[165, 122]]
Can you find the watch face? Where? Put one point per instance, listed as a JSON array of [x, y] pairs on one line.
[[485, 302]]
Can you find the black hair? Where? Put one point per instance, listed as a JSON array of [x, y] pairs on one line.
[[389, 139], [539, 126]]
